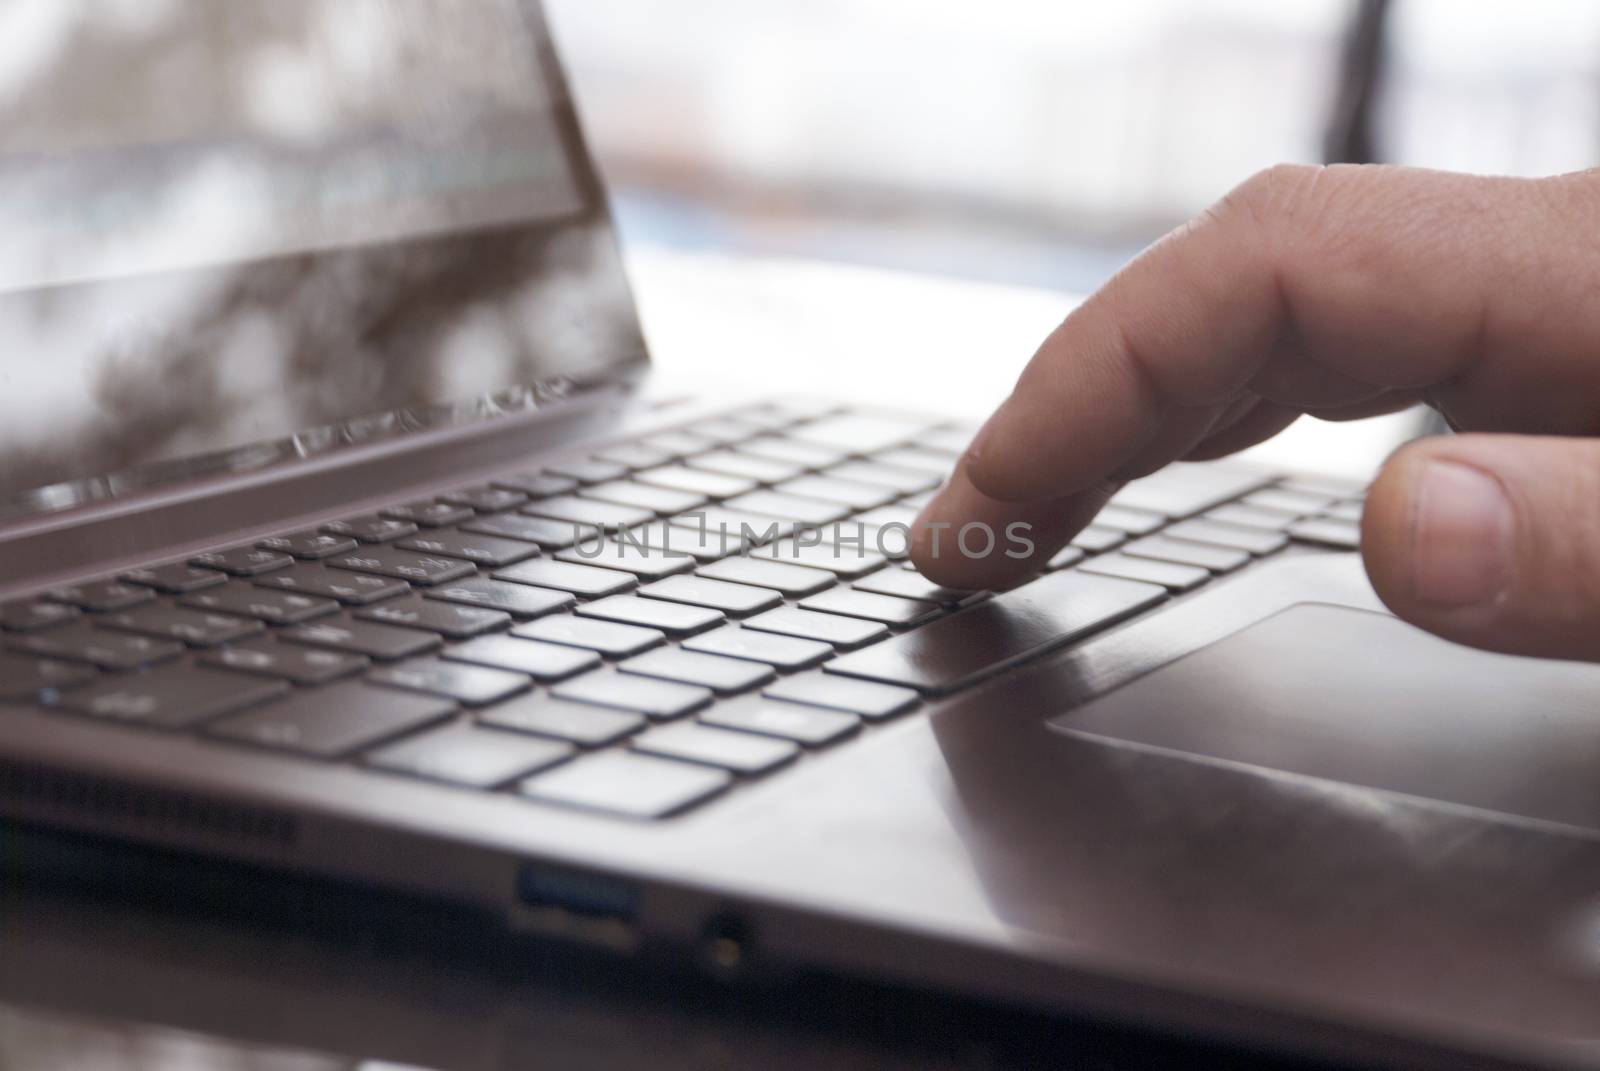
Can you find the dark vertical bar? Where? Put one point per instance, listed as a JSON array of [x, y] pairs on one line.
[[1349, 138]]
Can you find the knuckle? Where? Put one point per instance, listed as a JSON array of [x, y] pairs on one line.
[[1272, 198]]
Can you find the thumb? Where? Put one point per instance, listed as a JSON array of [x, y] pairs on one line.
[[1492, 540]]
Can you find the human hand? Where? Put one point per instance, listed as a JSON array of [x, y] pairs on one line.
[[1342, 292]]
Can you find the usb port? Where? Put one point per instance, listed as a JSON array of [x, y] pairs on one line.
[[577, 892]]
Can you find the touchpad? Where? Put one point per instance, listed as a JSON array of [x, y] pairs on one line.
[[1364, 698]]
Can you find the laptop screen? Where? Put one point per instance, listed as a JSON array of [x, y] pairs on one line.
[[235, 232]]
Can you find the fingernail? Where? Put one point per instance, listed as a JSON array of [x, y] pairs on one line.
[[1460, 536]]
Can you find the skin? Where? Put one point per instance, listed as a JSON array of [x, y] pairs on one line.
[[1342, 292]]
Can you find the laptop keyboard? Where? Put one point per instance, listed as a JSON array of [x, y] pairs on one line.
[[631, 632]]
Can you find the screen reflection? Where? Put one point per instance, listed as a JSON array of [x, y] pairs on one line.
[[237, 232]]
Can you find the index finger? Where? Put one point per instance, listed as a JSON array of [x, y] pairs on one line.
[[1305, 289]]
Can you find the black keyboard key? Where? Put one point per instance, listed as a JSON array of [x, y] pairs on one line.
[[547, 534], [1331, 486], [193, 627], [1162, 549], [735, 527], [243, 561], [641, 455], [297, 665], [489, 551], [706, 545], [725, 676], [741, 753], [844, 633], [628, 554], [309, 546], [451, 620], [328, 723], [869, 699], [1175, 578], [795, 581], [901, 481], [672, 618], [811, 511], [951, 442], [24, 678], [782, 652], [170, 697], [487, 499], [371, 528], [628, 785], [677, 444], [806, 455], [661, 501], [588, 581], [767, 418], [909, 584], [586, 515], [576, 723], [177, 578], [544, 662], [724, 431], [699, 482], [429, 514], [1068, 555], [1097, 540], [933, 463], [519, 600], [1328, 532], [735, 599], [848, 561], [1246, 517], [657, 700], [1129, 521], [473, 686], [1182, 490], [1007, 630], [382, 642], [97, 647], [807, 726], [1296, 504], [273, 607], [888, 609], [36, 616], [316, 581], [746, 466], [606, 637], [468, 756], [100, 596], [419, 569], [861, 433], [857, 496], [538, 484], [587, 470], [1255, 540]]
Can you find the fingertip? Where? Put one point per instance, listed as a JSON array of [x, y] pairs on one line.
[[966, 539]]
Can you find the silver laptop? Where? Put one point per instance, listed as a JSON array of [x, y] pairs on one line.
[[343, 529]]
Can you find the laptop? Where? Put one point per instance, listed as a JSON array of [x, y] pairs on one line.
[[346, 532]]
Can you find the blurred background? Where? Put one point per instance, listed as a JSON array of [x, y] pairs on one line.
[[776, 163]]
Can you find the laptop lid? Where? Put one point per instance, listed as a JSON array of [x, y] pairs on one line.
[[236, 234]]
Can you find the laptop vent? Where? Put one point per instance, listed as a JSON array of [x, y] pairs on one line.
[[118, 806]]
